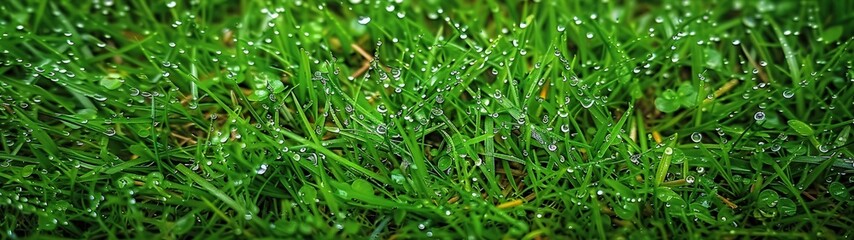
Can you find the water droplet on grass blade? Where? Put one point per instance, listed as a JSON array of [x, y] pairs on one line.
[[788, 93], [759, 116], [381, 108], [586, 102], [381, 129], [261, 170], [364, 20], [696, 137], [564, 128]]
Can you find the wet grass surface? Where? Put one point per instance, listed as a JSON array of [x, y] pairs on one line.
[[426, 119]]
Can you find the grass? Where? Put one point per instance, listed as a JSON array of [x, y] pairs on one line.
[[416, 119]]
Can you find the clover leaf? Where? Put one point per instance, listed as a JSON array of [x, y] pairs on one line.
[[670, 101]]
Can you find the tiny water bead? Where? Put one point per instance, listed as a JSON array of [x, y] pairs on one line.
[[759, 116], [261, 170], [564, 128], [364, 20], [381, 129], [788, 93], [635, 158], [586, 102], [696, 137], [381, 108]]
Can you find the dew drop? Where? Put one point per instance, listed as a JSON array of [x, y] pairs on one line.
[[364, 20], [776, 147], [564, 128], [788, 93], [759, 116], [586, 102], [696, 137], [261, 170], [381, 129]]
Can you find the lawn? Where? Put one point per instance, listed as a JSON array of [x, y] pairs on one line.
[[411, 119]]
